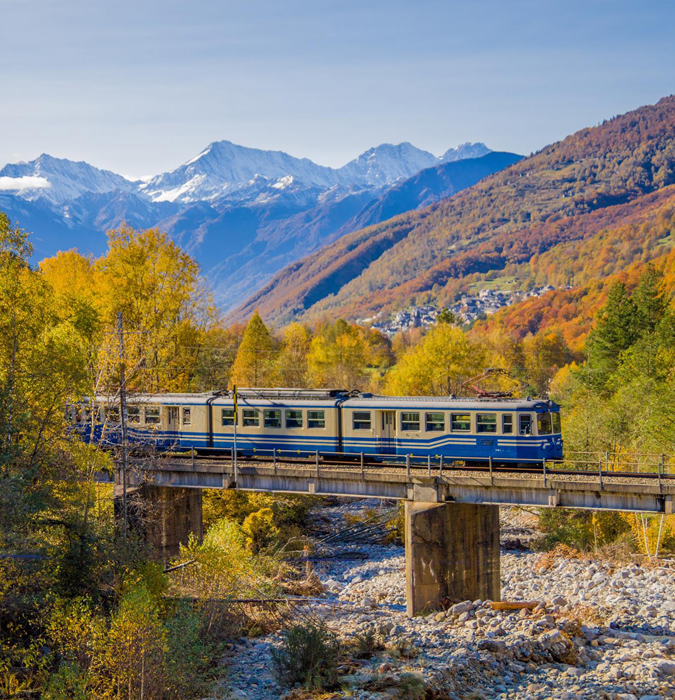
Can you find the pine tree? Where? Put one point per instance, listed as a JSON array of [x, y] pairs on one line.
[[650, 300], [254, 363], [446, 316], [614, 333]]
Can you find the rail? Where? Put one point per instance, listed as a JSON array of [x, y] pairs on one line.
[[600, 464]]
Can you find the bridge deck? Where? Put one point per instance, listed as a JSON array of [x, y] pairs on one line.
[[648, 493]]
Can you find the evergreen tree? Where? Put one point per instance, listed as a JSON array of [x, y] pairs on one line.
[[446, 316], [614, 333], [650, 301], [254, 363]]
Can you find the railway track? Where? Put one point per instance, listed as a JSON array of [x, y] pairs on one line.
[[432, 469]]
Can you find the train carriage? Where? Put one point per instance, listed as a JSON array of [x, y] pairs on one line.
[[333, 422], [506, 430]]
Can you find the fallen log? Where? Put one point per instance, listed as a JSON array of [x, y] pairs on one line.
[[518, 605]]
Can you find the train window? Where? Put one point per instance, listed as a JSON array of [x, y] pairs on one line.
[[316, 419], [134, 414], [410, 421], [544, 423], [293, 418], [152, 415], [486, 422], [227, 417], [507, 423], [251, 417], [272, 418], [361, 420], [113, 414], [555, 422], [435, 422], [460, 422], [525, 424], [187, 416]]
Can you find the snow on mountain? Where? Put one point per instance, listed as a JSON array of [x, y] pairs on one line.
[[58, 180], [464, 151], [226, 172], [386, 164], [223, 168]]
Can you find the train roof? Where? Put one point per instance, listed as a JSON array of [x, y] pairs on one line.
[[448, 402], [329, 397]]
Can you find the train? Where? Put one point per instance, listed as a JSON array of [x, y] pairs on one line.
[[330, 423]]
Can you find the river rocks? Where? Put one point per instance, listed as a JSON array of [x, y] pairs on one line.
[[600, 631], [460, 608]]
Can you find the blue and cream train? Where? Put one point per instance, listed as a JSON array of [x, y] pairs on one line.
[[332, 422]]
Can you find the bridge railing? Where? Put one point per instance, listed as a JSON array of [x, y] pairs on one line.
[[619, 462], [588, 462]]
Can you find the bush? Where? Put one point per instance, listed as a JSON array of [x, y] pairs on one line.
[[289, 509], [397, 523], [410, 687], [137, 653], [308, 655], [584, 530], [367, 644], [260, 531]]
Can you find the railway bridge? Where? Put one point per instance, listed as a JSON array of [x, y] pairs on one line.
[[451, 513]]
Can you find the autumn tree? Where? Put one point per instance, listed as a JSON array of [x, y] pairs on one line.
[[255, 360], [291, 364], [157, 287], [544, 354], [439, 365], [338, 357]]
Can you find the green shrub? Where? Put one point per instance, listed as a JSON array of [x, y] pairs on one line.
[[367, 644], [260, 531], [308, 655], [584, 530], [289, 509], [410, 687], [397, 523]]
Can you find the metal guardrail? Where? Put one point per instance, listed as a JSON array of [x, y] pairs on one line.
[[591, 463]]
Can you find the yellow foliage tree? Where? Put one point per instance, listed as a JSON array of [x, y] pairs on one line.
[[292, 360], [255, 360], [338, 357], [439, 365], [156, 286]]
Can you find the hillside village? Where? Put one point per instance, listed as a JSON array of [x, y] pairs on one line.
[[467, 309]]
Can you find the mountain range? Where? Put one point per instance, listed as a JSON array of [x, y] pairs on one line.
[[496, 232], [244, 213]]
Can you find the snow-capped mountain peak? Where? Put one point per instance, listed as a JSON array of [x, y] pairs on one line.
[[224, 167], [59, 180], [464, 151], [225, 171], [387, 163]]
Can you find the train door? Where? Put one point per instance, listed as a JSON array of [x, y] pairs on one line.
[[172, 418], [386, 439]]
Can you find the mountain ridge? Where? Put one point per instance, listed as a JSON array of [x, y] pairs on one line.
[[485, 229], [243, 213]]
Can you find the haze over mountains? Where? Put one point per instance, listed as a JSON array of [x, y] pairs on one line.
[[244, 213]]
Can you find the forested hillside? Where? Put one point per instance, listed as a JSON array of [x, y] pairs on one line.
[[569, 191]]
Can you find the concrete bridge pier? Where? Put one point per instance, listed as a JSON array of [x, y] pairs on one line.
[[165, 517], [452, 554]]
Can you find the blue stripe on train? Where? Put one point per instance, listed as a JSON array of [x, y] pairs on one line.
[[450, 446]]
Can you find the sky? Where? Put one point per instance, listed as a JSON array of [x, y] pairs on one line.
[[141, 86]]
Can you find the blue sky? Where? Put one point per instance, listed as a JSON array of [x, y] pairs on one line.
[[141, 86]]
